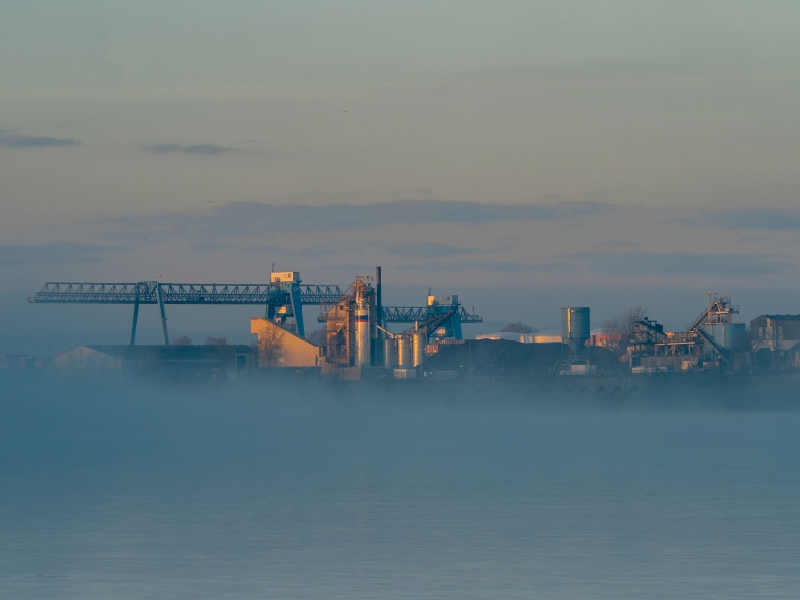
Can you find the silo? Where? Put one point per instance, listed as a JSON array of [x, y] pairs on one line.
[[575, 327], [419, 340], [390, 352], [731, 336], [362, 335], [404, 352]]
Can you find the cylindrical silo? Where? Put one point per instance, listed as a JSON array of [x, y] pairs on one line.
[[419, 340], [404, 352], [731, 336], [390, 352], [575, 327], [362, 335]]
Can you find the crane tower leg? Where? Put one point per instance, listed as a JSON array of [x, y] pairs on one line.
[[135, 318], [297, 309], [163, 314]]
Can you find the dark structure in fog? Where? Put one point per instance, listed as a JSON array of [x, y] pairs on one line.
[[181, 362], [776, 341]]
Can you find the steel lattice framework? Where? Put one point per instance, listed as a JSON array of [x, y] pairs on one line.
[[421, 314], [271, 295], [146, 292]]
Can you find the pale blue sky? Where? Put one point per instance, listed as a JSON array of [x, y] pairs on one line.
[[76, 43], [120, 122]]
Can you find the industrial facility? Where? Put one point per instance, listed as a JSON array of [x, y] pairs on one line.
[[364, 339], [357, 342]]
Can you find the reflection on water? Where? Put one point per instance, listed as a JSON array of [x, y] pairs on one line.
[[181, 493]]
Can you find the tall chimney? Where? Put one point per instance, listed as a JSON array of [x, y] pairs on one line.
[[379, 299], [378, 342]]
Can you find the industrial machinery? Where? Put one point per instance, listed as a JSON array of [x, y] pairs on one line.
[[721, 328], [426, 315], [356, 334], [714, 335], [355, 319], [283, 297], [351, 325], [406, 350]]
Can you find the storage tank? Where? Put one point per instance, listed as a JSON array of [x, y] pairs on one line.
[[419, 339], [731, 336], [575, 327], [390, 353], [362, 334], [404, 352]]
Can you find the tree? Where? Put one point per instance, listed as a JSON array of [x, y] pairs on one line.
[[623, 323], [214, 341], [270, 343], [317, 337], [184, 340], [518, 327]]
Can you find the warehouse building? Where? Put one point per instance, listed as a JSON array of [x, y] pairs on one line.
[[280, 347], [176, 362]]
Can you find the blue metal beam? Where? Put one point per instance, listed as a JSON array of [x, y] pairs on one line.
[[145, 292], [414, 314]]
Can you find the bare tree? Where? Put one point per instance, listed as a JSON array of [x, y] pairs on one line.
[[620, 327], [184, 340], [317, 337], [216, 341], [518, 327], [622, 323], [270, 344]]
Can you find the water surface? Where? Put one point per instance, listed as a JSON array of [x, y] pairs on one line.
[[113, 491]]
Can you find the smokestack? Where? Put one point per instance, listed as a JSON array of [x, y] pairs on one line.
[[379, 299], [378, 348]]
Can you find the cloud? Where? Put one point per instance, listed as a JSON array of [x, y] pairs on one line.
[[238, 219], [13, 140], [618, 245], [509, 266], [774, 219], [314, 252], [497, 266], [59, 252], [683, 263], [424, 249], [401, 250], [610, 70], [210, 246], [202, 149]]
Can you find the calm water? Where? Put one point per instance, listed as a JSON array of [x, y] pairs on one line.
[[116, 492]]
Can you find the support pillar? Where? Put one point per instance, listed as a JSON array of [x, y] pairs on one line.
[[297, 308], [163, 313], [135, 317], [455, 323]]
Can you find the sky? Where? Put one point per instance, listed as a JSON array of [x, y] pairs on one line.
[[524, 155]]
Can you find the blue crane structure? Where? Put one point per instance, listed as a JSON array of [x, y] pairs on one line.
[[429, 316], [281, 299]]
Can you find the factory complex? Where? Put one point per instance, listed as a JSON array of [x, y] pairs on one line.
[[362, 338]]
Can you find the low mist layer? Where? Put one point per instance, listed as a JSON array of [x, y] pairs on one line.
[[326, 491]]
